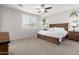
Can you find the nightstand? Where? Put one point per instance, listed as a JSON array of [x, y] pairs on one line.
[[73, 36], [4, 43]]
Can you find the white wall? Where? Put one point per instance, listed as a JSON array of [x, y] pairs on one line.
[[0, 18], [11, 21], [61, 17]]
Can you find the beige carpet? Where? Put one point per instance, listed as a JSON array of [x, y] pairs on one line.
[[35, 46]]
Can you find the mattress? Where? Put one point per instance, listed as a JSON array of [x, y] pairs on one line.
[[54, 32]]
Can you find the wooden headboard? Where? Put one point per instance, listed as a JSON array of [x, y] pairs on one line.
[[63, 25]]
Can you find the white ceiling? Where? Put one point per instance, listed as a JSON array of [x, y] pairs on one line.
[[31, 8]]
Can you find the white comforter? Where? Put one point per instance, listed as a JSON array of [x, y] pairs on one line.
[[54, 32]]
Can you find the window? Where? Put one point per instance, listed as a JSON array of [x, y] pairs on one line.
[[29, 21]]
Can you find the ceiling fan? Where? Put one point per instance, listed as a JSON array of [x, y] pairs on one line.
[[43, 8]]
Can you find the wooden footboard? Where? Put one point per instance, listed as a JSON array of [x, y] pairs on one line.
[[49, 39]]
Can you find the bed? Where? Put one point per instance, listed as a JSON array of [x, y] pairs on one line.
[[52, 38]]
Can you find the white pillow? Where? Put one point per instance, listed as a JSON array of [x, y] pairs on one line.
[[59, 29]]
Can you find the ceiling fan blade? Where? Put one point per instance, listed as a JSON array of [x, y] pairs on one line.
[[48, 8], [45, 11]]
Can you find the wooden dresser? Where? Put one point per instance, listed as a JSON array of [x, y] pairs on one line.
[[73, 36], [4, 41]]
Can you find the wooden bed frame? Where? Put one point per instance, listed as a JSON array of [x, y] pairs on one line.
[[53, 39]]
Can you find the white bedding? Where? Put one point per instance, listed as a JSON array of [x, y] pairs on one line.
[[54, 32]]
